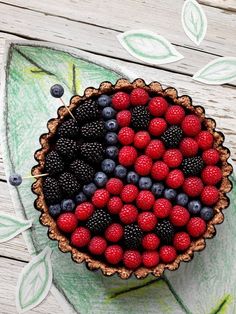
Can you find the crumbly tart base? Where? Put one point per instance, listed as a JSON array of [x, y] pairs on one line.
[[155, 89]]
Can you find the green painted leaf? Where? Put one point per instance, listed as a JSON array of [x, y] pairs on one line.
[[194, 21], [149, 47], [219, 71], [11, 226], [34, 282]]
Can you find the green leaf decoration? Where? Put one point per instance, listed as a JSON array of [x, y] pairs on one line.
[[34, 282], [149, 47], [11, 226], [194, 21], [219, 71]]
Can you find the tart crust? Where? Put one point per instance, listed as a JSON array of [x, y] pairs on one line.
[[154, 89]]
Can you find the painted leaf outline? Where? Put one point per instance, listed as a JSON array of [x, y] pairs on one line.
[[219, 71], [149, 47], [34, 282], [11, 226], [194, 21]]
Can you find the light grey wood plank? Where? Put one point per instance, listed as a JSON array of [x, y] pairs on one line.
[[222, 4]]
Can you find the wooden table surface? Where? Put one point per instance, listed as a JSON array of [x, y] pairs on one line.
[[92, 26]]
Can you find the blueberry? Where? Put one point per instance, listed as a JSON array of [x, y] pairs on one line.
[[111, 125], [157, 189], [206, 213], [170, 194], [57, 91], [15, 179], [112, 152], [80, 198], [111, 138], [182, 199], [100, 179], [145, 183], [108, 165], [132, 177], [89, 189], [55, 210], [67, 205], [108, 113], [120, 171], [194, 207], [104, 101]]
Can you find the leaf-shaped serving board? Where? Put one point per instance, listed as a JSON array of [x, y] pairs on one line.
[[206, 285]]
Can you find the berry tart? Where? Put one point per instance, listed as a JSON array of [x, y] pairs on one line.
[[137, 179]]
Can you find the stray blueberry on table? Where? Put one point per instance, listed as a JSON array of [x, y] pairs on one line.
[[57, 91], [15, 179]]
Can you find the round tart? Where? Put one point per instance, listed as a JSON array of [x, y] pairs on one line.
[[136, 182]]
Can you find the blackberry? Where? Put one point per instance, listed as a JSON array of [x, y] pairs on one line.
[[132, 236], [172, 136], [69, 129], [92, 152], [192, 166], [99, 221], [66, 148], [82, 171], [68, 184], [93, 130], [53, 163], [52, 191], [165, 231], [140, 118], [87, 111]]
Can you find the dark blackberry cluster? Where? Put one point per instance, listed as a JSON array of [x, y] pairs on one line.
[[67, 148], [68, 184], [53, 163], [140, 118], [99, 221], [192, 166], [82, 171], [92, 152], [172, 136], [165, 231], [93, 130], [51, 190], [87, 111], [132, 236], [69, 129]]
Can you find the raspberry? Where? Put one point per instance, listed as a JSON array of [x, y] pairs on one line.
[[114, 205], [159, 170], [114, 186], [181, 241], [97, 245], [138, 96], [193, 186], [175, 179], [120, 101], [150, 241], [67, 222], [84, 211], [129, 193], [141, 139], [100, 198], [150, 259], [113, 254], [210, 195], [188, 147], [191, 125], [157, 126], [123, 118], [196, 227], [167, 254], [132, 259], [143, 165], [173, 158], [205, 140], [175, 114], [179, 216], [80, 237], [162, 208], [128, 214], [157, 106], [114, 232], [127, 156], [155, 149], [211, 175], [210, 156], [126, 136], [145, 200], [147, 221]]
